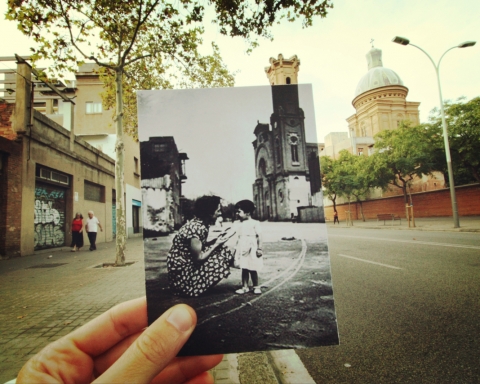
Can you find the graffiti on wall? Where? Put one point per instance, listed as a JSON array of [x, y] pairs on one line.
[[49, 217]]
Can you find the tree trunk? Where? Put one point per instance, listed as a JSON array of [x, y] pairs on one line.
[[361, 209], [119, 174], [405, 196]]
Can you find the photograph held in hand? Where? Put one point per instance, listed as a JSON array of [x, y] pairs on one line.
[[223, 172]]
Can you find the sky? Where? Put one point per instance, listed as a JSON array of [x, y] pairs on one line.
[[332, 52], [215, 128]]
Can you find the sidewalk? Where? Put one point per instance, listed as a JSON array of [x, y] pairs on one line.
[[467, 224]]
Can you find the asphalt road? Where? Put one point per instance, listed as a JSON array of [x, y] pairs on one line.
[[407, 307]]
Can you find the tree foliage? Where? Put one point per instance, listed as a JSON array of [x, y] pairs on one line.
[[403, 153], [119, 32], [463, 126], [348, 176]]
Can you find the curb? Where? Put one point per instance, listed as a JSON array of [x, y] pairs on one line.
[[283, 367], [414, 228], [288, 368]]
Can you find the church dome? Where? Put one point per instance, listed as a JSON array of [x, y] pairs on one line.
[[377, 76]]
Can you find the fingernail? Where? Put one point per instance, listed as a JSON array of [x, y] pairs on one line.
[[180, 318]]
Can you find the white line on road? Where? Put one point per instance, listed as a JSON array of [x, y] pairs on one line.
[[411, 241], [371, 262], [297, 262]]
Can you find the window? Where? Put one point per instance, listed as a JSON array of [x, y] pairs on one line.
[[262, 167], [93, 107], [278, 151], [51, 175], [135, 161], [159, 147], [294, 148], [359, 151], [93, 192], [288, 80], [293, 140]]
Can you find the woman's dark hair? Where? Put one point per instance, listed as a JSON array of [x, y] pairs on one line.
[[246, 206], [205, 207]]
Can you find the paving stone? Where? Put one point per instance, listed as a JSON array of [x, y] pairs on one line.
[[72, 293]]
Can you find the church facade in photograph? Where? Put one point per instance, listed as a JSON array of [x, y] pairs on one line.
[[287, 184]]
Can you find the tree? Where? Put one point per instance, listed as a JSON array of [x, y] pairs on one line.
[[117, 34], [463, 122], [359, 176], [348, 176], [401, 154], [329, 181]]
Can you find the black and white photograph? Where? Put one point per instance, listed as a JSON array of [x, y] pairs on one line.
[[233, 216]]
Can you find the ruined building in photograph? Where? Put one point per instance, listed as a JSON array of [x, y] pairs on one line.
[[163, 172], [287, 183]]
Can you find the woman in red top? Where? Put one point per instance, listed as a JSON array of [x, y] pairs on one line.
[[77, 232]]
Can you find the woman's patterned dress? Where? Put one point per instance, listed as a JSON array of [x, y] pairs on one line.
[[192, 279]]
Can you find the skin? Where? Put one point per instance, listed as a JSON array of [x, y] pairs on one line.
[[118, 347], [196, 246]]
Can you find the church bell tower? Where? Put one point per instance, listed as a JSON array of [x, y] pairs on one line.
[[282, 181]]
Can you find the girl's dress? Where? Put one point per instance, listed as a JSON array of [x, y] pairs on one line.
[[188, 278], [247, 245]]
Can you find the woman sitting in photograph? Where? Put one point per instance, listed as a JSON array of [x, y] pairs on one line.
[[194, 265], [77, 234]]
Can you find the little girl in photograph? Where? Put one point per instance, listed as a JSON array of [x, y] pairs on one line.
[[249, 246]]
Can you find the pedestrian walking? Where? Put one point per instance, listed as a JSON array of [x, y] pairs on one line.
[[335, 218], [249, 246], [91, 227], [77, 232]]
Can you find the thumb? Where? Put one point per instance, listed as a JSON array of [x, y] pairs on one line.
[[154, 348]]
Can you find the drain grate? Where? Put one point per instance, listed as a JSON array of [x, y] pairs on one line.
[[51, 265], [112, 265]]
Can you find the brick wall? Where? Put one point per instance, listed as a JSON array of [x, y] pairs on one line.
[[6, 129], [10, 197], [426, 204]]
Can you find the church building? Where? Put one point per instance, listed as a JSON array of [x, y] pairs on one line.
[[287, 167]]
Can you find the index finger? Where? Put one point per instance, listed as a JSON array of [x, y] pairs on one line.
[[109, 328]]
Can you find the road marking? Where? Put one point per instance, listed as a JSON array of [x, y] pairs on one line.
[[371, 262], [411, 242], [298, 262], [266, 283]]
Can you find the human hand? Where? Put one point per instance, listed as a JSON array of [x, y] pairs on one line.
[[117, 347], [259, 252]]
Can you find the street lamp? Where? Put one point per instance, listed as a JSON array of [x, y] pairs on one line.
[[466, 44]]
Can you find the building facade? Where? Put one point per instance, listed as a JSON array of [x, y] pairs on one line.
[[380, 103], [47, 174], [91, 122], [286, 166]]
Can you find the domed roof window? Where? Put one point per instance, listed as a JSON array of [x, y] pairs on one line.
[[377, 76]]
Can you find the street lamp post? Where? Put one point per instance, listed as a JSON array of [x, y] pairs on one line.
[[404, 41]]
